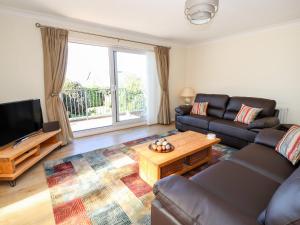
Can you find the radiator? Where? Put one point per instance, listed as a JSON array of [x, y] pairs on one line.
[[283, 115]]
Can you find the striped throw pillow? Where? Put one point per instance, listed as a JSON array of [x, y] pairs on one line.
[[199, 108], [289, 145], [247, 114]]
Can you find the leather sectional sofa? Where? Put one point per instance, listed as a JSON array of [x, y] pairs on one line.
[[255, 186], [221, 113]]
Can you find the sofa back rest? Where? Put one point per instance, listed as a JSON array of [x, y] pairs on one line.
[[269, 137], [216, 103], [235, 104], [284, 207]]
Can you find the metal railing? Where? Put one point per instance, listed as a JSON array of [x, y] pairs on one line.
[[87, 103]]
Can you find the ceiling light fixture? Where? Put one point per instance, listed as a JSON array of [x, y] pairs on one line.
[[201, 11]]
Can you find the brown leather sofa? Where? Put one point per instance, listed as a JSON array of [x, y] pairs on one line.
[[255, 186], [221, 113]]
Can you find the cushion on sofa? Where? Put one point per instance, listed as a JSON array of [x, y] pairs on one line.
[[284, 207], [199, 108], [236, 185], [195, 121], [247, 114], [289, 145], [231, 128], [216, 103], [235, 104], [265, 161]]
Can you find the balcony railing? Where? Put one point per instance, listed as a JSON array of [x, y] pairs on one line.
[[87, 103]]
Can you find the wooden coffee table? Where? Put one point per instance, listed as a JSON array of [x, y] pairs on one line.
[[192, 149]]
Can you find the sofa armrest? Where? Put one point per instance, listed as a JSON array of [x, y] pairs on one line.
[[191, 204], [285, 127], [183, 109], [269, 137], [266, 122]]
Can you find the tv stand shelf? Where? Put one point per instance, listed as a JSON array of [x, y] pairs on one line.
[[14, 161]]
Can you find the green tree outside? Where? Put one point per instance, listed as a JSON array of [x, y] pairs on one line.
[[81, 101]]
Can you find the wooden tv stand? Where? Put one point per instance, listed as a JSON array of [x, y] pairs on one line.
[[14, 161]]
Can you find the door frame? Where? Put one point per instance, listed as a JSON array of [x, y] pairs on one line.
[[114, 85]]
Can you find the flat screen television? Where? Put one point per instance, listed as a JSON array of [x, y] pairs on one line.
[[19, 119]]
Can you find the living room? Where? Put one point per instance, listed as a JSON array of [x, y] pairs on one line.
[[149, 112]]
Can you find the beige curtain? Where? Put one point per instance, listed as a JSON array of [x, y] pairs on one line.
[[55, 47], [162, 62]]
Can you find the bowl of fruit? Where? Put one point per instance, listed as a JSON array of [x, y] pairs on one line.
[[161, 145]]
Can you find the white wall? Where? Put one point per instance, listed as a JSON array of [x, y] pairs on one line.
[[21, 60], [21, 56], [264, 63]]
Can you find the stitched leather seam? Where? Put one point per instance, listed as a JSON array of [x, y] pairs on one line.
[[253, 168], [179, 209], [294, 222]]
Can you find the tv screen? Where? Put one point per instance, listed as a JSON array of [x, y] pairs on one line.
[[19, 119]]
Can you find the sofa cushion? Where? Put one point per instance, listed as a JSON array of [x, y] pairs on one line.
[[195, 121], [265, 161], [199, 108], [231, 128], [289, 145], [216, 103], [191, 204], [247, 114], [235, 104], [284, 207], [238, 186]]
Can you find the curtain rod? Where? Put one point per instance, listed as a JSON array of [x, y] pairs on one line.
[[38, 25]]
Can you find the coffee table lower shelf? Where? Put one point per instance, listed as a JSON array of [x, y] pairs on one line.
[[151, 173]]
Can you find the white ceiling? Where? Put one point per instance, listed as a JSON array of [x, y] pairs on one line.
[[165, 18]]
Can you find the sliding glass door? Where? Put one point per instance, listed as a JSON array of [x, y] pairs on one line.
[[87, 89], [104, 86], [130, 74]]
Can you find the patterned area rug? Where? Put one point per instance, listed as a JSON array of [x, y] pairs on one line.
[[103, 186]]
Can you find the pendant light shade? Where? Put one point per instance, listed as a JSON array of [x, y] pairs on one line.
[[201, 11]]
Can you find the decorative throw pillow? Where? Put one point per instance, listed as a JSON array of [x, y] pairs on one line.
[[247, 114], [199, 108], [289, 145]]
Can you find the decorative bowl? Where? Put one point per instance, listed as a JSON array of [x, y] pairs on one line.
[[161, 146]]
